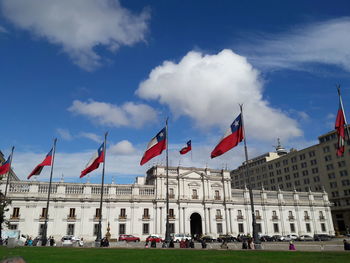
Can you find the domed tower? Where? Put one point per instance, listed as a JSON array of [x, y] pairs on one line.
[[279, 149]]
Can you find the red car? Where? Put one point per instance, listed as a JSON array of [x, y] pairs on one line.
[[155, 238], [129, 238]]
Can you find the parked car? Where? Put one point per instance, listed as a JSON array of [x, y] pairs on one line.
[[276, 237], [322, 237], [69, 240], [266, 238], [285, 238], [227, 238], [207, 239], [293, 237], [155, 238], [241, 238], [179, 237], [305, 238], [128, 238]]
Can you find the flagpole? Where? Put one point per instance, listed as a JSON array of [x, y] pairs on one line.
[[99, 234], [9, 172], [167, 234], [342, 107], [44, 238], [255, 233]]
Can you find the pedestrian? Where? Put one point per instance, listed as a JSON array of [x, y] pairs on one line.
[[182, 243], [171, 244], [244, 244], [81, 242], [291, 246], [153, 243], [346, 245], [224, 244], [204, 244], [187, 243], [191, 244], [52, 241]]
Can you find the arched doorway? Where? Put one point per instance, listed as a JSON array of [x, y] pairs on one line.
[[196, 225]]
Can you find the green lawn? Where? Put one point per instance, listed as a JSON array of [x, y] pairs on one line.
[[95, 255]]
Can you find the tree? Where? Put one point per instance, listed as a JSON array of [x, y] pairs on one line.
[[4, 202]]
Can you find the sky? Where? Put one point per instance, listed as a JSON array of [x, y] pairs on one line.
[[73, 70]]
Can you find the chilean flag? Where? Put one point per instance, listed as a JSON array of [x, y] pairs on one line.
[[155, 147], [5, 167], [187, 148], [95, 161], [339, 126], [47, 162], [232, 137]]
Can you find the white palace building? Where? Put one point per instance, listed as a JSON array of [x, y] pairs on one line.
[[201, 202]]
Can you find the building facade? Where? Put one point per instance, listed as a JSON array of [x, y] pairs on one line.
[[316, 168], [201, 202]]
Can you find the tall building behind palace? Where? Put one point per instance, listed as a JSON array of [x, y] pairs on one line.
[[315, 168], [202, 201]]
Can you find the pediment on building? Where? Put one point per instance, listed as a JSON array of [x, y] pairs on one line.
[[216, 185], [172, 182], [192, 175], [194, 184]]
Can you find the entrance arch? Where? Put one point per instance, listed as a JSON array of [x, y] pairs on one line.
[[196, 225]]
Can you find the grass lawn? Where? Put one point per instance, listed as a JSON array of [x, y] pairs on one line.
[[95, 255]]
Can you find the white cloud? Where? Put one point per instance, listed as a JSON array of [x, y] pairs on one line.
[[65, 134], [92, 136], [208, 89], [326, 42], [79, 26], [122, 148], [129, 114]]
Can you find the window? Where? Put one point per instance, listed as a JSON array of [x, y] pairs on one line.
[[335, 194], [345, 182], [43, 212], [326, 149], [171, 213], [302, 157], [329, 167], [306, 215], [13, 226], [97, 213], [218, 212], [303, 165], [308, 227], [95, 230], [171, 228], [171, 193], [328, 158], [321, 215], [295, 167], [275, 228], [123, 212], [70, 229], [316, 179], [286, 169], [277, 164], [274, 215], [279, 179], [71, 213], [296, 175], [240, 228], [323, 227], [272, 181], [306, 181], [312, 153], [341, 164], [15, 212], [314, 170], [271, 174], [297, 183], [331, 175], [219, 228], [305, 173], [121, 229], [217, 195], [333, 184], [145, 213], [41, 229], [343, 173], [292, 228], [285, 162], [290, 215], [293, 159], [287, 177], [313, 162], [194, 194], [258, 227], [145, 229]]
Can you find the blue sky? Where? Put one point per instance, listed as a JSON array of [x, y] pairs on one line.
[[75, 69]]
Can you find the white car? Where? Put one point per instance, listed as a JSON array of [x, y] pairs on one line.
[[179, 237], [69, 240], [285, 238], [293, 237]]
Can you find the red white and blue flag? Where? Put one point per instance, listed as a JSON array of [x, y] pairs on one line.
[[47, 162], [155, 147], [95, 161], [5, 167], [232, 137], [187, 148], [339, 126]]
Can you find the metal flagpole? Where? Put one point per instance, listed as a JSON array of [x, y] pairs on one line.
[[44, 238], [342, 107], [9, 172], [255, 232], [167, 234], [99, 233]]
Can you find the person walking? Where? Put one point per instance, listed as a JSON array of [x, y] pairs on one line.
[[346, 245]]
